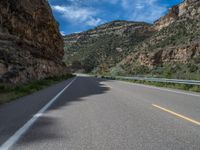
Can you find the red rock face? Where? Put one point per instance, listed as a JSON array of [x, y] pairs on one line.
[[31, 46]]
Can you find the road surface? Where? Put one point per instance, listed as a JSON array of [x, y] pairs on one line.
[[86, 113]]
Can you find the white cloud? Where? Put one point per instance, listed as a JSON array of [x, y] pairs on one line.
[[138, 10], [139, 6], [62, 33], [94, 22], [76, 14], [73, 13], [143, 10], [83, 14]]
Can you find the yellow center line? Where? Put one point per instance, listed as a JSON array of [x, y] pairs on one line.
[[178, 115]]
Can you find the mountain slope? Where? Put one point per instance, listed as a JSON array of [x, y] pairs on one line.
[[168, 48], [101, 48], [31, 46], [174, 50]]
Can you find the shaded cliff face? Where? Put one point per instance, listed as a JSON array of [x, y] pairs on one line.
[[102, 47], [31, 46]]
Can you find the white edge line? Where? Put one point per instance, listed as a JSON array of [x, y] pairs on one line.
[[162, 89], [16, 136]]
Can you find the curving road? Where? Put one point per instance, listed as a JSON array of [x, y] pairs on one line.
[[97, 114]]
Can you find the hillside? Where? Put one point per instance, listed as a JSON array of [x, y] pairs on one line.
[[102, 47], [168, 48], [173, 51], [31, 46]]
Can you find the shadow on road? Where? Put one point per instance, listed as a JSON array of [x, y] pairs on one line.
[[82, 87]]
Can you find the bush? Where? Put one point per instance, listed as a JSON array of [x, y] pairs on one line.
[[118, 71]]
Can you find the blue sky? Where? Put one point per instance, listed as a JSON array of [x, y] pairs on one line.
[[80, 15]]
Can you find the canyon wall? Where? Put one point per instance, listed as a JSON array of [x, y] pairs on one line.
[[31, 46]]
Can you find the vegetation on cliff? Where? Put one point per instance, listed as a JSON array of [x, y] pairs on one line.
[[103, 47]]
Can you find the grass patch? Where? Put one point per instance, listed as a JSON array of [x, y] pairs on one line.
[[193, 88], [10, 93]]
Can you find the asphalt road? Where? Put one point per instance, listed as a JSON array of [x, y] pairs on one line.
[[96, 114]]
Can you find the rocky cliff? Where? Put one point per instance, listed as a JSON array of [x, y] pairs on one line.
[[189, 9], [174, 48], [31, 46]]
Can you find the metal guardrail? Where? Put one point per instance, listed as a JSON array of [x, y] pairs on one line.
[[162, 80]]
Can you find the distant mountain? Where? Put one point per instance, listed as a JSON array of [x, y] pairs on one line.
[[168, 48], [104, 46]]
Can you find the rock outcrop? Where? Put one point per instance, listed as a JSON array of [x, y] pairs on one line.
[[189, 9], [175, 44], [181, 54], [178, 37], [31, 46]]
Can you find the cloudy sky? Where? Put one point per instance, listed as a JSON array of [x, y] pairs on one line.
[[80, 15]]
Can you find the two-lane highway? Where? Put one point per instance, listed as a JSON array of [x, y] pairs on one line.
[[87, 113]]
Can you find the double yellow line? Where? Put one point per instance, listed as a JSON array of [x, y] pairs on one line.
[[177, 115]]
